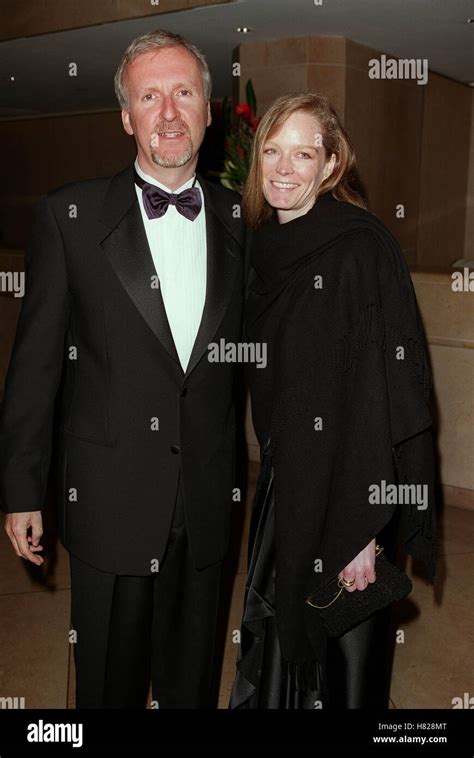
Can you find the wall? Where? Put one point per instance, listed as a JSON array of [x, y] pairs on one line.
[[469, 236], [44, 153], [447, 112]]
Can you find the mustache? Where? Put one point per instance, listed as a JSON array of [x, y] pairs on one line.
[[172, 127]]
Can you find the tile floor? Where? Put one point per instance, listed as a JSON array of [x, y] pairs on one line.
[[433, 665]]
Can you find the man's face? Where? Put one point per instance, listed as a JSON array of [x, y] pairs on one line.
[[167, 111]]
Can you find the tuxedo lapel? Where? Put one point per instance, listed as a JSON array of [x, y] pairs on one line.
[[222, 267], [127, 249]]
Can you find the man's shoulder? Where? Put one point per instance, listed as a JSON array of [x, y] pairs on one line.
[[91, 188], [218, 190], [88, 195], [226, 204]]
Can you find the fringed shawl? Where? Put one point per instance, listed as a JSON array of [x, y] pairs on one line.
[[343, 403]]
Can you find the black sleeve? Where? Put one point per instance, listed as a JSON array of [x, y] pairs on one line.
[[34, 373]]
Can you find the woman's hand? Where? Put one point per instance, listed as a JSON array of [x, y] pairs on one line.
[[361, 569]]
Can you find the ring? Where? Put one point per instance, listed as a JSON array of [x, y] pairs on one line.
[[347, 582]]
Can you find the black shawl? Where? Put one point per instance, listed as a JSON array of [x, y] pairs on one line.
[[343, 403]]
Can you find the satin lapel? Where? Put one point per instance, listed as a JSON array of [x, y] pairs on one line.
[[128, 251], [223, 258]]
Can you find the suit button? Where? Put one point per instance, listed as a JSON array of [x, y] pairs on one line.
[[184, 392], [174, 448]]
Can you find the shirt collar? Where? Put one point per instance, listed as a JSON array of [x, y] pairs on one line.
[[152, 180]]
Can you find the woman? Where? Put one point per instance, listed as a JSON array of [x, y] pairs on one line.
[[340, 410]]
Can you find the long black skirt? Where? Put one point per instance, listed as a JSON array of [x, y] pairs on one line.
[[357, 666]]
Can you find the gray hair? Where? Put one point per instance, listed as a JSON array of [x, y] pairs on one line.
[[153, 41]]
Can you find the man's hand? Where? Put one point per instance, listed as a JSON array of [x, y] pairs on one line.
[[17, 525], [361, 569]]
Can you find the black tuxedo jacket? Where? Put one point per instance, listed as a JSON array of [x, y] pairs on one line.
[[94, 341]]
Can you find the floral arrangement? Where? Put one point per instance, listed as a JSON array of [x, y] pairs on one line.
[[239, 138]]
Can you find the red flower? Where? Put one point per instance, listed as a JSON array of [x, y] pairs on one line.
[[244, 110]]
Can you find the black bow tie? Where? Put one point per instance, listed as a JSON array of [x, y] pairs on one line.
[[156, 201]]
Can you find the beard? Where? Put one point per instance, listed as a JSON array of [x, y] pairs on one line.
[[173, 161]]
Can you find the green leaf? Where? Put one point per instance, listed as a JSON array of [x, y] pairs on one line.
[[250, 96]]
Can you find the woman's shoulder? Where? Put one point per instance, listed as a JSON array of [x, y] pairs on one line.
[[365, 240]]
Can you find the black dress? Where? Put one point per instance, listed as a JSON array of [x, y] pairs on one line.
[[356, 673]]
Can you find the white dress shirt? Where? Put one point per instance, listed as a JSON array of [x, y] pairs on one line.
[[178, 248]]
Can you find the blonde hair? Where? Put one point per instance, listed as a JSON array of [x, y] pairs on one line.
[[343, 182], [154, 41]]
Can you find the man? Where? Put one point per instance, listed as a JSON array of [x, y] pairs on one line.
[[127, 283]]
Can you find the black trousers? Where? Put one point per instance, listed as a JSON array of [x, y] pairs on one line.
[[133, 629]]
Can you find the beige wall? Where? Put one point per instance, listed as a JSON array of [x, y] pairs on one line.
[[299, 64], [384, 119], [448, 319], [447, 113], [469, 237]]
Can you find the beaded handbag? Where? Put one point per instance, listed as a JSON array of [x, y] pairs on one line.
[[341, 611]]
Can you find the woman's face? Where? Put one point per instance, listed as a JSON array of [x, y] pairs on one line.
[[294, 164]]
